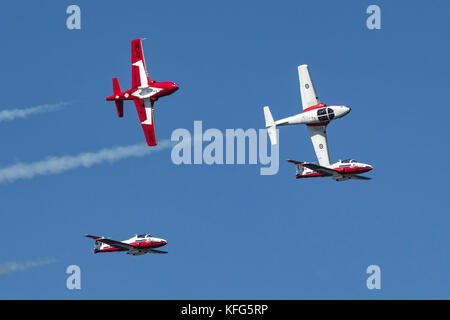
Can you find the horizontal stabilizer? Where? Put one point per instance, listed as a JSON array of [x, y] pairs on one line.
[[295, 161], [92, 237], [116, 87], [271, 126], [119, 107]]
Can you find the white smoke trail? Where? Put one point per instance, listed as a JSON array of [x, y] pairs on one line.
[[11, 267], [11, 114], [55, 165]]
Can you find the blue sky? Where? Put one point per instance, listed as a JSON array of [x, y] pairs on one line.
[[232, 233]]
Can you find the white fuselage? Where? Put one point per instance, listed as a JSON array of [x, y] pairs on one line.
[[141, 241], [315, 115]]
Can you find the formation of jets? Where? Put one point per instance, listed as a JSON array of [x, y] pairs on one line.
[[315, 115]]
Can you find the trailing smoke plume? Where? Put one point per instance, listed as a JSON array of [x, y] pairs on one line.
[[11, 114], [11, 267], [56, 165]]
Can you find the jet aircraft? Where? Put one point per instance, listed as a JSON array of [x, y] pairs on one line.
[[339, 171], [137, 245], [144, 92]]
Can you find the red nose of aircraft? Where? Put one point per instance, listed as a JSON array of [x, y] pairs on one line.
[[169, 88], [162, 242], [173, 87]]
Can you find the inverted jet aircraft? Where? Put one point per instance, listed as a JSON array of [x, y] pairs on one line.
[[316, 116], [137, 245], [144, 92]]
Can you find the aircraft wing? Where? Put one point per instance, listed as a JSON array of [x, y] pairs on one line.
[[156, 251], [358, 177], [307, 91], [319, 140], [320, 169], [117, 244], [139, 74], [144, 109]]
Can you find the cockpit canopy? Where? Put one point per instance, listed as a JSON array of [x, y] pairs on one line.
[[325, 114], [349, 161], [144, 236]]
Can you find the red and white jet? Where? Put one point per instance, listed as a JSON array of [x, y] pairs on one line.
[[137, 245], [339, 171], [144, 92], [317, 116]]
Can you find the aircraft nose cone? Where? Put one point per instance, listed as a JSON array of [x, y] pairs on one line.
[[348, 109], [174, 87]]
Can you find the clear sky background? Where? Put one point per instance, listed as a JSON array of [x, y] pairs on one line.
[[232, 233]]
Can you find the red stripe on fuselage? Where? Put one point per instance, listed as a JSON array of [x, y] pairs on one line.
[[352, 170], [317, 106]]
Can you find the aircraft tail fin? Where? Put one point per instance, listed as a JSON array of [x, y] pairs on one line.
[[298, 166], [97, 244], [270, 125], [118, 92]]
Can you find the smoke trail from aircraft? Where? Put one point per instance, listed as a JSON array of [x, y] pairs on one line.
[[11, 267], [56, 165], [12, 114]]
